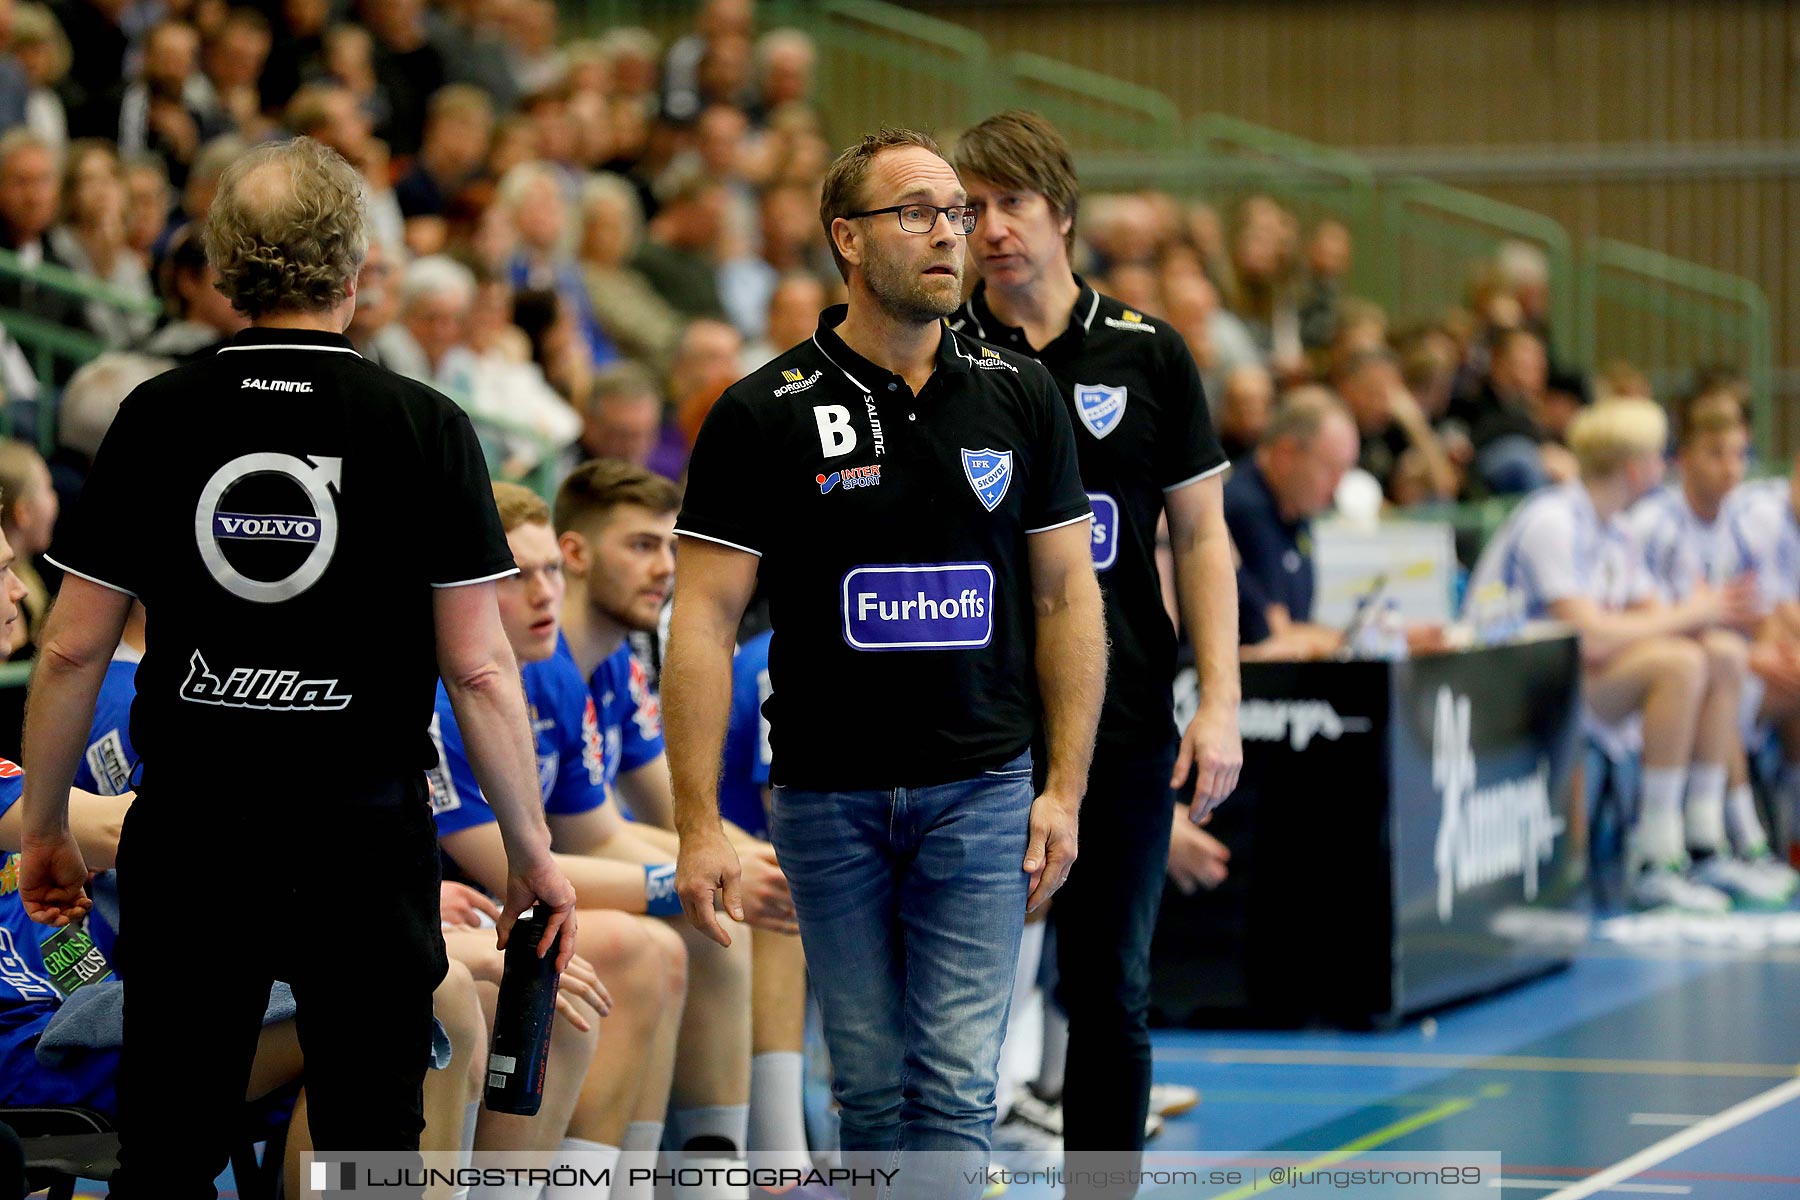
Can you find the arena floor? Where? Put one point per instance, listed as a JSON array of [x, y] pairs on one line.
[[1661, 1063], [1664, 1062]]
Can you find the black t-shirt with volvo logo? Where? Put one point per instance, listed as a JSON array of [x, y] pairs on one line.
[[892, 530], [284, 509], [1142, 430]]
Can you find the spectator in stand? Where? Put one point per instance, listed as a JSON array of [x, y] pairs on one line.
[[536, 61], [624, 415], [165, 111], [1511, 454], [458, 128], [785, 61], [532, 196], [29, 201], [1135, 285], [1270, 501], [1262, 292], [43, 55], [200, 318], [1524, 271], [234, 60], [1328, 255], [719, 22], [678, 255], [708, 359], [97, 43], [631, 62], [632, 312], [788, 221], [409, 67], [1218, 340], [1244, 406], [558, 140], [90, 240], [15, 84], [1390, 423], [201, 186], [350, 59], [148, 199], [377, 304], [296, 51], [794, 308]]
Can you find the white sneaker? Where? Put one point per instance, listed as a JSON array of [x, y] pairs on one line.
[[1745, 884], [1028, 1107], [1173, 1099], [1153, 1125], [1780, 876], [1667, 887], [996, 1186], [1017, 1134]]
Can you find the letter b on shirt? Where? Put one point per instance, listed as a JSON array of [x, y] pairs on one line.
[[836, 438]]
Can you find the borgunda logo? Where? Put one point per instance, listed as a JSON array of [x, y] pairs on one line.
[[1490, 833]]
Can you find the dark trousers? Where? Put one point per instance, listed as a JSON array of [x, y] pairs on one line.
[[220, 894], [1104, 917]]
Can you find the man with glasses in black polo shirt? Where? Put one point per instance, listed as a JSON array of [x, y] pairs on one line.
[[911, 501], [1146, 448]]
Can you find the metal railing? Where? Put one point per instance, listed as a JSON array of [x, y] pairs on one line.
[[1668, 316]]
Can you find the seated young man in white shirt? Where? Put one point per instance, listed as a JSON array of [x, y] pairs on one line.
[[1568, 552], [1683, 532]]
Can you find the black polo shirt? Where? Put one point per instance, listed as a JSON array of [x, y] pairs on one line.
[[892, 530], [1277, 554], [1142, 430], [284, 509]]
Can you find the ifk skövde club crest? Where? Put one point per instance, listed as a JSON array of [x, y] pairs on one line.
[[1099, 407], [989, 472]]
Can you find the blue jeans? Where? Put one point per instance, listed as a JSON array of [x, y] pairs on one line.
[[911, 904]]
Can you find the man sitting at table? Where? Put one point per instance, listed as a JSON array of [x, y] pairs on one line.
[[1568, 552], [1306, 449]]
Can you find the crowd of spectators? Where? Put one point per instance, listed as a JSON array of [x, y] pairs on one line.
[[549, 210]]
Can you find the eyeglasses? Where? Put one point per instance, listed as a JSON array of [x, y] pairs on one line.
[[922, 218]]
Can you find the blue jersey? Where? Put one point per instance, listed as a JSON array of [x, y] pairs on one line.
[[746, 767], [32, 989], [566, 725], [110, 762], [630, 719]]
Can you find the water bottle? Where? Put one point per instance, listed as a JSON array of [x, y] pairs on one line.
[[1393, 631], [522, 1017]]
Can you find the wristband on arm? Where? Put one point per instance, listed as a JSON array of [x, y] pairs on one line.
[[660, 896]]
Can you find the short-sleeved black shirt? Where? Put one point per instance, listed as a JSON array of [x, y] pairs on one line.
[[1142, 430], [283, 509], [1277, 554], [892, 530]]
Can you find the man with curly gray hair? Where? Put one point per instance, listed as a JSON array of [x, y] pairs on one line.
[[267, 492]]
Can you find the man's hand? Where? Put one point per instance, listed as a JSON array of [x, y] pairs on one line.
[[459, 906], [707, 869], [52, 880], [1196, 858], [541, 881], [579, 981], [1052, 850], [1735, 605], [1213, 751], [767, 902]]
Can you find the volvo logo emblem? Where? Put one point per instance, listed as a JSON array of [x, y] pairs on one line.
[[319, 530]]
